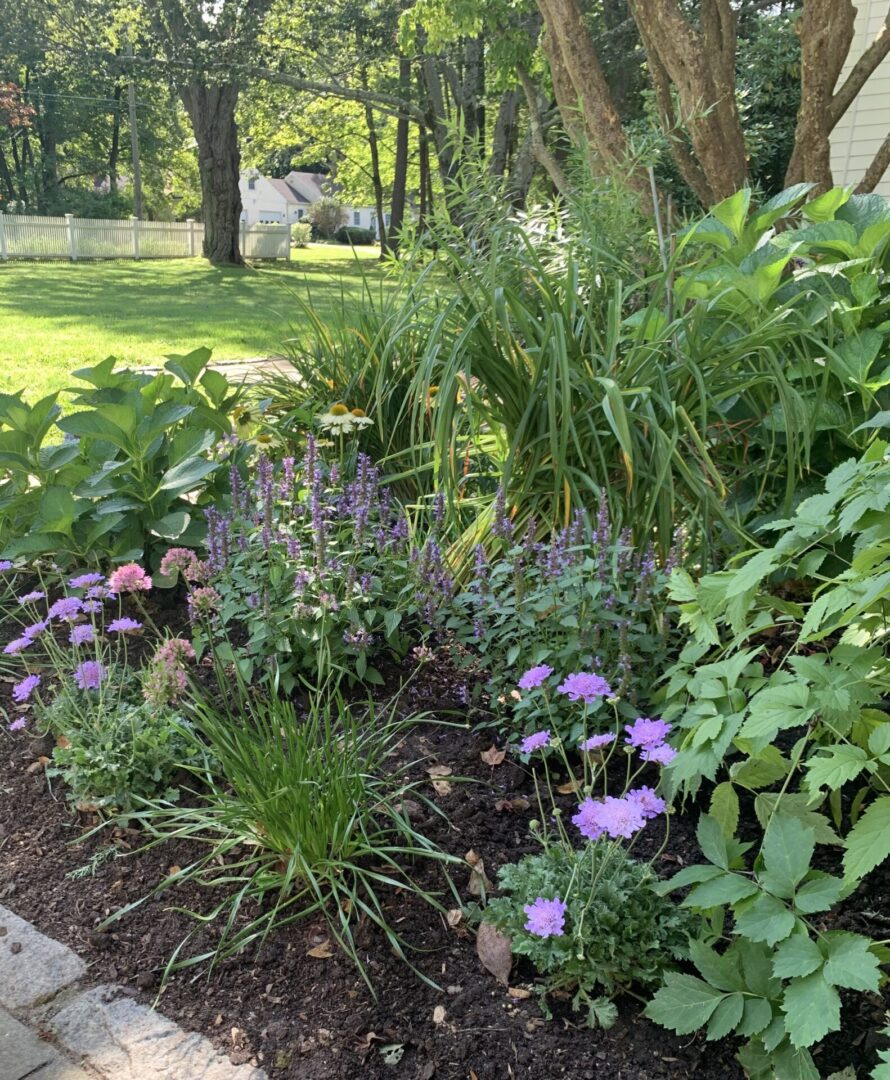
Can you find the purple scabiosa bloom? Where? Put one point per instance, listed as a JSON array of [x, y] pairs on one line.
[[17, 646], [17, 724], [535, 742], [645, 733], [596, 742], [89, 675], [23, 690], [6, 564], [535, 676], [66, 609], [84, 581], [546, 918], [91, 607], [584, 686], [124, 625], [662, 754], [614, 817], [81, 635], [31, 597], [35, 630], [587, 819], [650, 804], [99, 592]]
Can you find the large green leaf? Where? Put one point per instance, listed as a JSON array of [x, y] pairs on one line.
[[868, 842], [849, 961], [187, 475], [189, 366], [812, 1008], [787, 851], [796, 956], [684, 1003], [91, 425], [765, 919]]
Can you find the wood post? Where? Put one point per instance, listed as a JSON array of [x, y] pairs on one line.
[[4, 254], [191, 224], [72, 237], [135, 223]]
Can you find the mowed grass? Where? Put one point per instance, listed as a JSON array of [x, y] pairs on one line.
[[56, 317]]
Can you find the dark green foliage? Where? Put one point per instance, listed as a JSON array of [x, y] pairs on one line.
[[619, 932], [353, 234]]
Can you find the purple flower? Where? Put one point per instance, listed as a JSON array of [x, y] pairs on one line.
[[17, 646], [24, 689], [5, 565], [82, 634], [91, 607], [663, 754], [31, 597], [647, 733], [34, 630], [546, 918], [124, 626], [535, 676], [584, 686], [535, 742], [597, 741], [614, 817], [84, 581], [650, 804], [17, 724], [66, 608], [89, 675]]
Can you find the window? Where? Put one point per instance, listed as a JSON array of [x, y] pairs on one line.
[[251, 183], [357, 217], [300, 213], [388, 219]]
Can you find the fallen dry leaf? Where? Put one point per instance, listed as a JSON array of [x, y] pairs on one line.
[[492, 756], [570, 788], [171, 870], [507, 806], [435, 773], [454, 917], [239, 1036], [518, 993], [322, 951], [38, 766], [439, 1014], [494, 952], [62, 742], [479, 883]]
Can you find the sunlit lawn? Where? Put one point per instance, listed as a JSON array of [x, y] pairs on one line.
[[56, 317]]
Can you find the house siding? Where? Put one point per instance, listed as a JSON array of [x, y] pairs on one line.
[[866, 123]]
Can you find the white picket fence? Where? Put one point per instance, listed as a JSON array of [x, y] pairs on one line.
[[68, 237]]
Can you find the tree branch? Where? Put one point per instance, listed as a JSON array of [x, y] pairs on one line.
[[879, 165], [536, 127], [859, 74]]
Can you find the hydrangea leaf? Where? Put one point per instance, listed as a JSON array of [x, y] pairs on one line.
[[766, 919], [868, 842], [684, 1003], [796, 956], [812, 1008], [849, 962], [787, 850], [726, 1016]]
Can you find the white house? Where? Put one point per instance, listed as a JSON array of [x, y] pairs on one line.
[[268, 201], [864, 126]]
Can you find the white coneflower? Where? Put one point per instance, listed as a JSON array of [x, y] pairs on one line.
[[343, 421]]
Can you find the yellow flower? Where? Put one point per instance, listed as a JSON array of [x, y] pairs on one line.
[[264, 440], [357, 412], [339, 410]]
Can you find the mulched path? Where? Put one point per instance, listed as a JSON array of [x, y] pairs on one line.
[[313, 1018]]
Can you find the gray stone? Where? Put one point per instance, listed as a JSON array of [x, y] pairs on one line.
[[61, 1069], [123, 1040], [33, 967], [21, 1052]]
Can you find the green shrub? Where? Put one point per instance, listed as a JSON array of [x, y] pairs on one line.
[[300, 815], [619, 933], [326, 215], [354, 235], [300, 234], [142, 456]]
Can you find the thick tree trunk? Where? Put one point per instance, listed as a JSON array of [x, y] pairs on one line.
[[523, 172], [6, 176], [400, 165], [211, 110], [700, 63], [536, 131], [114, 151], [504, 133], [376, 180]]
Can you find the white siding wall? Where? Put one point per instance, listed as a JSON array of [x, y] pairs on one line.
[[866, 123], [261, 202]]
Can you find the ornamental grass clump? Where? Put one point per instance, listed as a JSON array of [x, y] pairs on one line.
[[299, 815], [588, 917]]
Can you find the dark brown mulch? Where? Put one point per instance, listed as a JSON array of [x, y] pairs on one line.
[[313, 1018]]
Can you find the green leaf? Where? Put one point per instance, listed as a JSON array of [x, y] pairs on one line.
[[189, 366], [725, 808], [787, 851], [719, 970], [733, 211], [868, 842], [187, 475], [832, 770], [812, 1008], [818, 894], [777, 708], [725, 1017], [796, 956], [825, 206], [712, 841], [761, 769], [765, 919], [90, 425], [684, 1003], [849, 962], [57, 510], [689, 875], [795, 804], [726, 889], [171, 526], [793, 1063], [757, 1016]]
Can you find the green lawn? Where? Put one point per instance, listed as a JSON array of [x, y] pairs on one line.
[[55, 317]]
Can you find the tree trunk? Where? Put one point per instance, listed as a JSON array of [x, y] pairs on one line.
[[879, 165], [423, 158], [536, 131], [6, 176], [400, 165], [211, 110], [523, 172], [700, 63], [376, 181], [114, 152], [504, 133]]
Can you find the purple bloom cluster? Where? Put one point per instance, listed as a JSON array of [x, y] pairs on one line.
[[84, 581], [6, 564], [609, 817], [82, 634], [124, 625], [31, 597], [546, 918], [584, 686], [534, 742], [89, 675], [535, 676], [23, 690], [596, 742], [66, 609], [648, 736]]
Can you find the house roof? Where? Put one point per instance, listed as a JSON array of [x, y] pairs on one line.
[[307, 185], [291, 195]]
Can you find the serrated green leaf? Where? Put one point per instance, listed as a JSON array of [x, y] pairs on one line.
[[725, 808], [793, 1063], [720, 970], [834, 769], [777, 708], [797, 956], [727, 889], [765, 919], [849, 961], [712, 841], [684, 1003], [725, 1017], [756, 1018], [787, 850], [868, 842], [796, 805], [879, 739], [689, 875], [812, 1008], [818, 894]]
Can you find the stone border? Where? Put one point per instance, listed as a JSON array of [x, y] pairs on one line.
[[64, 1030]]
